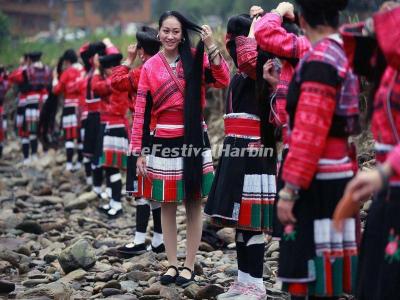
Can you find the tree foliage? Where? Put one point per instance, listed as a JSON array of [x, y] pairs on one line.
[[196, 9], [4, 27], [106, 8]]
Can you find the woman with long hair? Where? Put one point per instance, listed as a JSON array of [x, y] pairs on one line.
[[126, 78], [278, 33], [323, 110], [179, 169], [372, 48], [69, 72], [244, 188]]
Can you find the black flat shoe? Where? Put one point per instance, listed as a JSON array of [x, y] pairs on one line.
[[104, 208], [166, 279], [184, 282], [113, 213], [131, 250], [158, 249]]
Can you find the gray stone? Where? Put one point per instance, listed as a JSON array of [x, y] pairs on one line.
[[104, 276], [110, 292], [34, 282], [169, 292], [74, 275], [154, 289], [191, 291], [30, 227], [128, 286], [55, 290], [79, 255], [140, 275], [227, 235], [113, 284], [209, 291]]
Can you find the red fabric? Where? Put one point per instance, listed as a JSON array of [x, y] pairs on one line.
[[155, 78], [112, 50], [16, 76], [381, 125], [273, 38], [245, 127], [394, 160], [115, 104], [312, 124], [388, 35], [125, 80], [68, 82], [246, 50]]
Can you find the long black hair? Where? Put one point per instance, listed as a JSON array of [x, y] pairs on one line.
[[70, 56], [322, 12], [193, 72], [239, 26], [147, 40]]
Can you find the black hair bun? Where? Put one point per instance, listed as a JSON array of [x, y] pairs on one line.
[[239, 25], [323, 5]]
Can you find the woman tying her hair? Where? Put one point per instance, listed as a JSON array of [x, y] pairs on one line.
[[373, 49], [244, 188], [126, 78], [179, 169], [277, 33], [322, 104]]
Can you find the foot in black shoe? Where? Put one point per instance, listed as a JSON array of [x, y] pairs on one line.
[[183, 281], [131, 250], [166, 279], [158, 249], [113, 213], [104, 208]]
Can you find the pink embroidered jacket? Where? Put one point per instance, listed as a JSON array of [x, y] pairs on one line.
[[168, 100], [388, 35], [273, 38]]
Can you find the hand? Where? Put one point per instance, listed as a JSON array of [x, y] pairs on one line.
[[132, 53], [256, 10], [96, 61], [286, 9], [285, 212], [107, 42], [388, 5], [207, 36], [365, 184], [141, 168], [270, 74]]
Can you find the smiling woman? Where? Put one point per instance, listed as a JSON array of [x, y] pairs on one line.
[[173, 83]]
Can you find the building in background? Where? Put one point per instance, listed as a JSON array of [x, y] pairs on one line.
[[29, 17]]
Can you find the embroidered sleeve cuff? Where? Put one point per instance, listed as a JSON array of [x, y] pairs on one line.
[[394, 160]]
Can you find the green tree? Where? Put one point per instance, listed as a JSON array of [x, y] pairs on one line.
[[106, 8], [4, 28]]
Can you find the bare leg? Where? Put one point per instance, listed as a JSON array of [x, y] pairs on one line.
[[168, 222], [193, 233]]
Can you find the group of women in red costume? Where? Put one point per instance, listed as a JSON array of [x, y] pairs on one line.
[[296, 84]]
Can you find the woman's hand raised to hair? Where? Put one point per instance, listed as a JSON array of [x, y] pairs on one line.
[[207, 36], [270, 74], [96, 61], [256, 10], [132, 54], [285, 9]]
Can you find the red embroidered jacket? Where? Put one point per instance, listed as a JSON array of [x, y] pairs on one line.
[[168, 100], [115, 104], [14, 79], [388, 35], [125, 80], [33, 81], [67, 85], [273, 38], [323, 107]]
